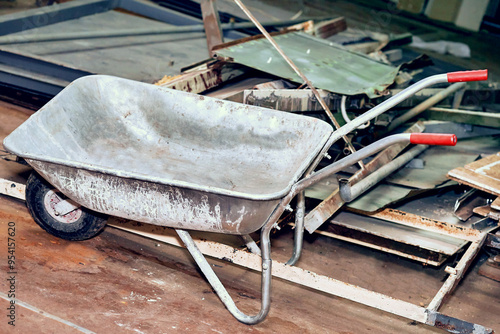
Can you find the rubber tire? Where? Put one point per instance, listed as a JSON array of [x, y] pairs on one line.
[[87, 226]]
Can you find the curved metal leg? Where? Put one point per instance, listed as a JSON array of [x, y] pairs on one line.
[[251, 244], [299, 229], [219, 287]]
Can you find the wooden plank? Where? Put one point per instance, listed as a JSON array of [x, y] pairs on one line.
[[496, 204], [483, 174], [329, 28], [490, 272], [211, 22], [487, 211], [203, 79]]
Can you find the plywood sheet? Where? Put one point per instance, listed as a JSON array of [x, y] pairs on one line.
[[483, 174]]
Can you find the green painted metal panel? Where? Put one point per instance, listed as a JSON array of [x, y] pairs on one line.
[[327, 65]]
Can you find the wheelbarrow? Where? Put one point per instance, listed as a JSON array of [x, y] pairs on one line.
[[111, 146]]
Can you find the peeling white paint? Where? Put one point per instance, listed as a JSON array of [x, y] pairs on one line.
[[106, 195], [484, 170], [142, 201]]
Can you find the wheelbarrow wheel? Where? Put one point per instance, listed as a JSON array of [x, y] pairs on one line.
[[79, 224]]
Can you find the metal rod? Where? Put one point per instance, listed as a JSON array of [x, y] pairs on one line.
[[299, 229], [298, 71], [343, 111], [425, 105], [350, 193], [65, 36], [221, 290], [458, 97], [251, 244]]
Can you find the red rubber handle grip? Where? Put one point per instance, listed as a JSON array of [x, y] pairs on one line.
[[433, 139], [461, 76]]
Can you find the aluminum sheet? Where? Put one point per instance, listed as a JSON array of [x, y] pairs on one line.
[[325, 64]]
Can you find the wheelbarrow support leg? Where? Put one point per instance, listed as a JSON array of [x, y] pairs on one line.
[[299, 229], [219, 288]]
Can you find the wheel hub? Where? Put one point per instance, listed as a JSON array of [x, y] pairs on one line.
[[50, 201]]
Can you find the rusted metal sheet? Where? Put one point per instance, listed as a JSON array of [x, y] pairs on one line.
[[483, 174], [433, 225], [318, 59], [211, 22], [411, 237], [386, 245]]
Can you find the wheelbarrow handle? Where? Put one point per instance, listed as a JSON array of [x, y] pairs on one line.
[[404, 94], [379, 145], [444, 139], [461, 76]]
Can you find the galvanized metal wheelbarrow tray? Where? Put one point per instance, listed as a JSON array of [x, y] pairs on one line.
[[190, 162]]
